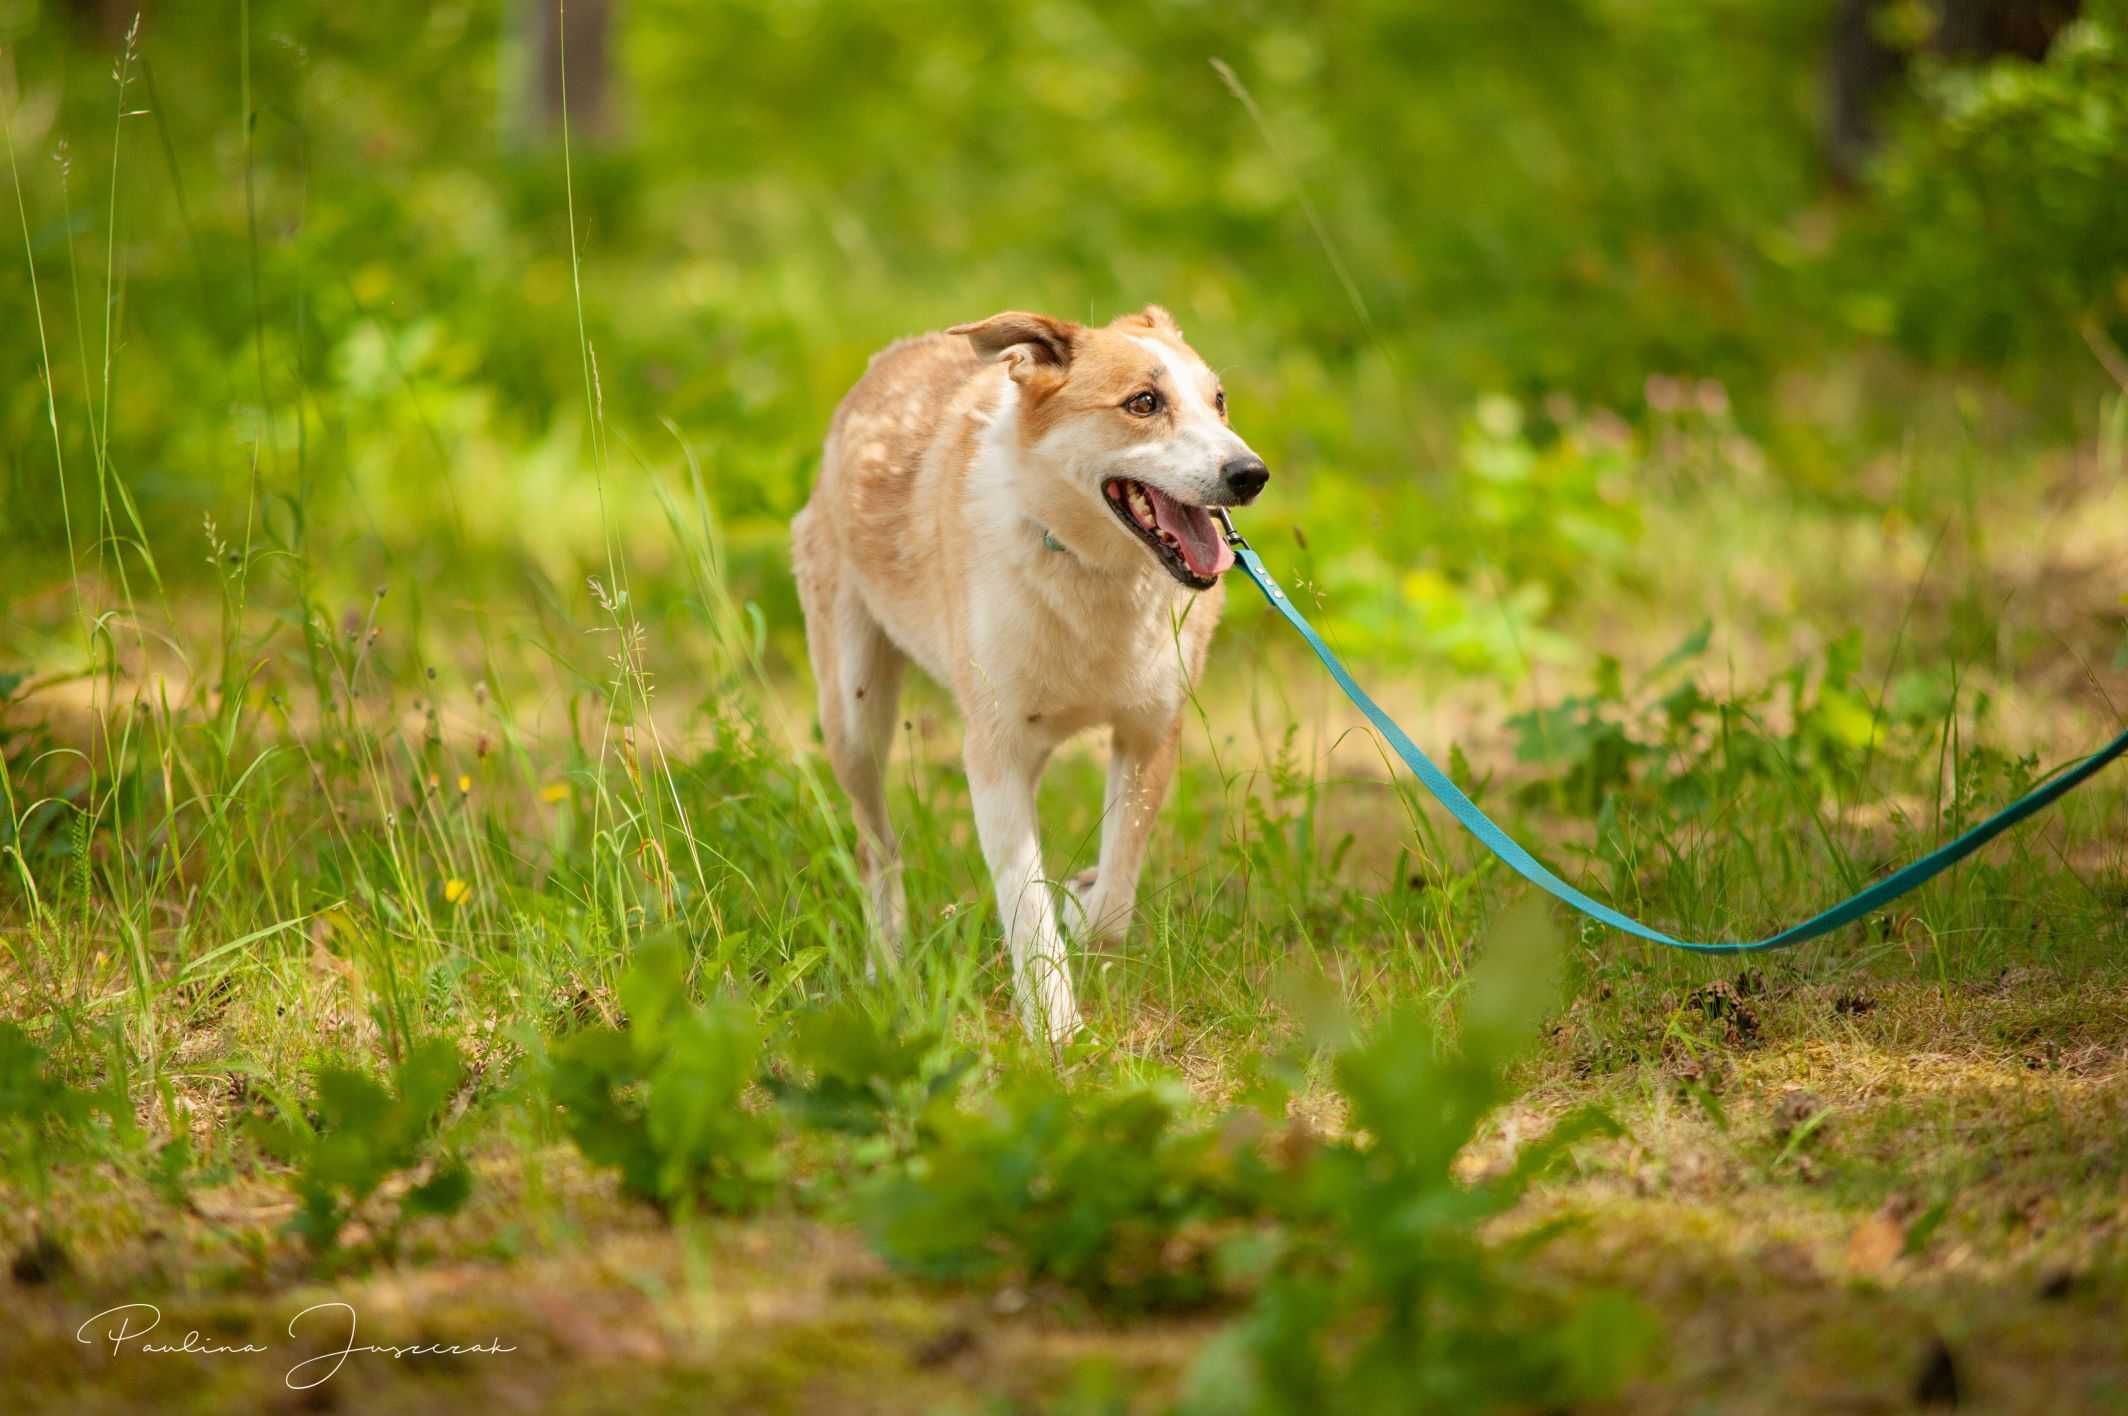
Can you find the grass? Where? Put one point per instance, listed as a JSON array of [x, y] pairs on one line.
[[330, 876], [374, 761]]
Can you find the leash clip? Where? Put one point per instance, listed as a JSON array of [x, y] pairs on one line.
[[1226, 525]]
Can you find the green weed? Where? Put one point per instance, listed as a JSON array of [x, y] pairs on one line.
[[364, 1134], [846, 1072], [663, 1100], [48, 1125], [1113, 1194], [1378, 1291]]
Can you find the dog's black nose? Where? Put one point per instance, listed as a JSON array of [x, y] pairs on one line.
[[1245, 477]]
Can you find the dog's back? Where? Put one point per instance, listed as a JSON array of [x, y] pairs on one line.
[[879, 452], [898, 434]]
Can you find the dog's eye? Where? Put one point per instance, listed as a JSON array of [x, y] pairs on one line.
[[1143, 404], [1219, 401]]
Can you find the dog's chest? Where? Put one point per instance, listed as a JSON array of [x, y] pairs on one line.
[[1062, 657]]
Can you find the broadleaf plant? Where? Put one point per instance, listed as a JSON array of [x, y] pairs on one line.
[[663, 1099], [365, 1133]]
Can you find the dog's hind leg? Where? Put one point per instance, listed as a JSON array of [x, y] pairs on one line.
[[858, 670]]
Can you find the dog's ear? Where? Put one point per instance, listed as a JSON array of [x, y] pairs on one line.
[[1155, 317], [1027, 343]]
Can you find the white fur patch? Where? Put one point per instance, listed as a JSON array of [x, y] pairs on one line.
[[1187, 465], [1194, 406]]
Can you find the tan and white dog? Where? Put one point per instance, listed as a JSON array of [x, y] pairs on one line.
[[1018, 505]]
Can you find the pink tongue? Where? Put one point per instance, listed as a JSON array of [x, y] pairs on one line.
[[1205, 550]]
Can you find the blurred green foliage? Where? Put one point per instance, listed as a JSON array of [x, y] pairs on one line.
[[1109, 1194], [45, 1122], [353, 323], [660, 1100], [862, 1077], [364, 1133], [2003, 216]]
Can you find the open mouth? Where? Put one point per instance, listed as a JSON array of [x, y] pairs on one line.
[[1184, 539]]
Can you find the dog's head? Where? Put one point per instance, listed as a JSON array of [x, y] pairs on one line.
[[1123, 432]]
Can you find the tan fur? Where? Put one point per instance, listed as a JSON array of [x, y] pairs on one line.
[[923, 540]]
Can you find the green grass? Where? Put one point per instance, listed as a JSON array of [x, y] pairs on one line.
[[332, 876], [481, 684]]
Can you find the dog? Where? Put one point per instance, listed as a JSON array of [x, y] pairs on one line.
[[1019, 505]]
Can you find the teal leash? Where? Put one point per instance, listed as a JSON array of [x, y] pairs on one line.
[[1466, 811]]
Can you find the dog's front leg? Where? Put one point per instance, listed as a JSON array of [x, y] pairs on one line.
[[1001, 780], [1140, 766]]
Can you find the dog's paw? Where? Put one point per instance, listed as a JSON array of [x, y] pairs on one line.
[[1061, 1027], [1080, 893], [1090, 917]]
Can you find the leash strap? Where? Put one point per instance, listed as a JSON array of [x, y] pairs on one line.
[[1466, 811]]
